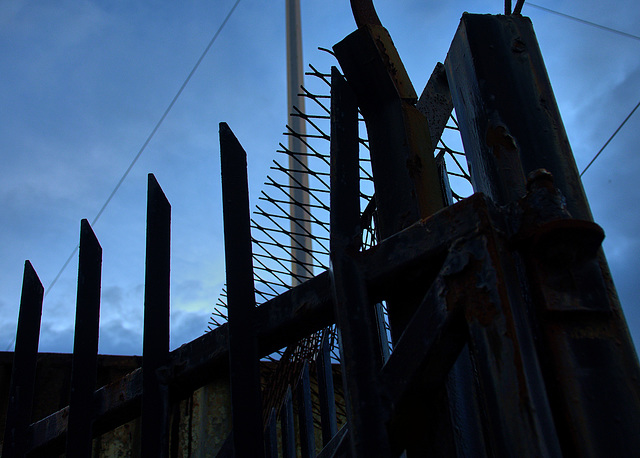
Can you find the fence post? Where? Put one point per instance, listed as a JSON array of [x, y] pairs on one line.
[[155, 346], [404, 170], [85, 345], [355, 315], [244, 368], [511, 126], [23, 372]]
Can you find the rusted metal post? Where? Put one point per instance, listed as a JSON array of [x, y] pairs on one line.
[[355, 314], [509, 120], [244, 371], [510, 126], [512, 394], [85, 345], [404, 171], [401, 151], [23, 372], [155, 347]]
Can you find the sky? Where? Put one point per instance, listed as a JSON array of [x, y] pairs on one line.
[[84, 83]]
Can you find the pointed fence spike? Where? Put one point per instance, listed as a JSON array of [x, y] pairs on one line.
[[23, 372], [243, 353], [85, 345], [155, 398]]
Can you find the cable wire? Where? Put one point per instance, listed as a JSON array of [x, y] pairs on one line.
[[153, 132], [610, 138], [593, 24]]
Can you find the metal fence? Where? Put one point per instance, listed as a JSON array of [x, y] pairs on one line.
[[507, 336]]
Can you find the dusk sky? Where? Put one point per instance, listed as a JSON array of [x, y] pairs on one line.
[[84, 83]]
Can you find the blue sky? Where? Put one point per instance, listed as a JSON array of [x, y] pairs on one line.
[[84, 82]]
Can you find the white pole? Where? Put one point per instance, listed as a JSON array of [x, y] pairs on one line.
[[295, 78]]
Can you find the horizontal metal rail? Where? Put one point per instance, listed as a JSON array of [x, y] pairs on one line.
[[298, 312]]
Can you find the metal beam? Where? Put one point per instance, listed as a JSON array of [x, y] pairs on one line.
[[402, 163], [300, 311], [244, 372], [511, 127]]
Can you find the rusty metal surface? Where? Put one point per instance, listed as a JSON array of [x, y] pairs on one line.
[[435, 103], [592, 375], [364, 13], [407, 186], [406, 181], [511, 126]]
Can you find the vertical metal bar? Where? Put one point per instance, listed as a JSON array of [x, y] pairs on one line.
[[300, 243], [361, 360], [305, 414], [325, 391], [271, 436], [85, 345], [23, 372], [406, 180], [243, 351], [359, 343], [155, 350], [287, 426], [510, 123], [404, 171], [345, 185], [510, 126]]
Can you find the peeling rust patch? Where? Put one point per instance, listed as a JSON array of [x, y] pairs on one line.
[[499, 139]]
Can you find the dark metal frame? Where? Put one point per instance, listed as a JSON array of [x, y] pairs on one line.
[[511, 323]]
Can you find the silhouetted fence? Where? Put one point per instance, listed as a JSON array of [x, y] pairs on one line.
[[508, 339]]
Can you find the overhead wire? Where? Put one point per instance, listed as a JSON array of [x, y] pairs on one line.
[[149, 137], [583, 21], [142, 148], [608, 29], [610, 138]]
